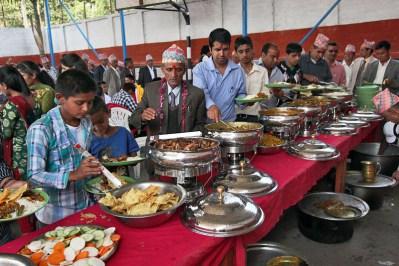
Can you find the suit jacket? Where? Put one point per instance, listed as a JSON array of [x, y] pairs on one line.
[[124, 73], [98, 73], [145, 76], [195, 114], [391, 73], [112, 78], [357, 63]]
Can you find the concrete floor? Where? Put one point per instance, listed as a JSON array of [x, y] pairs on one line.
[[375, 240]]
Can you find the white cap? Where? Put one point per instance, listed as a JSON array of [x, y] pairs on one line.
[[148, 57]]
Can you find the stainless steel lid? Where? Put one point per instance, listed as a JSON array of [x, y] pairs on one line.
[[15, 260], [338, 129], [311, 205], [248, 181], [222, 214], [355, 178], [353, 121], [313, 149], [235, 133], [367, 115]]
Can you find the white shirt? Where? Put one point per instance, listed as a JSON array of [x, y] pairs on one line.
[[107, 98], [348, 72], [255, 82], [151, 69], [379, 77], [77, 134], [176, 92]]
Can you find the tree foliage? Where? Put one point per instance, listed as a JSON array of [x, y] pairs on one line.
[[11, 14]]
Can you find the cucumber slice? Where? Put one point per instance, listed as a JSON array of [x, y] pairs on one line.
[[49, 234], [100, 243], [68, 230], [98, 234], [91, 231], [87, 237], [60, 233], [74, 231], [86, 229]]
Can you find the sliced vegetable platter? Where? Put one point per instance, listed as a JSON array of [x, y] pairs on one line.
[[82, 245]]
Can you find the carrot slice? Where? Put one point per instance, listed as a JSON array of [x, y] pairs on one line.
[[26, 251], [104, 250], [82, 255], [36, 257], [56, 258], [115, 237], [91, 244], [43, 263], [60, 246]]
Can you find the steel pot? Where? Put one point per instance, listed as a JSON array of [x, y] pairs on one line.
[[315, 224], [235, 133], [389, 159], [373, 193]]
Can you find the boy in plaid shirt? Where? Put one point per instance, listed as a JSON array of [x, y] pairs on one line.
[[53, 162]]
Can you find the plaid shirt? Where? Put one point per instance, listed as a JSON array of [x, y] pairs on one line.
[[51, 158], [124, 99]]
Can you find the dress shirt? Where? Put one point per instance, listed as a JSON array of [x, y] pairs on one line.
[[151, 69], [176, 92], [220, 90], [275, 76], [379, 77], [348, 72], [255, 82], [338, 73]]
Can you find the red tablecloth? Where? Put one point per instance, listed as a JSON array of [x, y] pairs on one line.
[[173, 244]]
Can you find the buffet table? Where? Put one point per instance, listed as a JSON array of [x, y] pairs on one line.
[[173, 244]]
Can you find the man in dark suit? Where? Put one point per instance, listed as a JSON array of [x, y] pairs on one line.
[[147, 73], [171, 105], [128, 70], [385, 71], [99, 70]]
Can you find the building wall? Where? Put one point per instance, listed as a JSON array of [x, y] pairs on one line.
[[279, 21]]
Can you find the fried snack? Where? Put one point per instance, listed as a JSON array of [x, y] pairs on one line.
[[17, 194], [261, 95], [140, 202], [185, 144], [269, 140], [4, 195]]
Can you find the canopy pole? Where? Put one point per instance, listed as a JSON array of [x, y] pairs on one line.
[[314, 28], [244, 17], [49, 34], [123, 33]]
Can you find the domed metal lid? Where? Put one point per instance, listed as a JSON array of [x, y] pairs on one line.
[[338, 129], [353, 121], [313, 149], [356, 179], [368, 115], [222, 214]]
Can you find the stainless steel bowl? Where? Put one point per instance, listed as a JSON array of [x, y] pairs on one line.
[[185, 159], [149, 220], [225, 133]]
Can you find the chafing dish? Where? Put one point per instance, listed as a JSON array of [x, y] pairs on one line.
[[313, 112], [284, 122], [367, 116], [222, 214], [353, 121], [338, 129], [314, 150], [149, 220]]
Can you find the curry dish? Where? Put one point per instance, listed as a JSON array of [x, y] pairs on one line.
[[185, 144], [233, 126], [280, 112], [269, 140]]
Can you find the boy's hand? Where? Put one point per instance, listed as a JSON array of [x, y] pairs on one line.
[[89, 167]]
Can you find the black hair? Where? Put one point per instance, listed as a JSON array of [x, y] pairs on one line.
[[10, 76], [128, 86], [242, 40], [332, 43], [219, 35], [204, 50], [267, 46], [128, 60], [383, 45], [31, 68], [98, 106], [293, 47], [129, 76], [73, 82], [74, 61]]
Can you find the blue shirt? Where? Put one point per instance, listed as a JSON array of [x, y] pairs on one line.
[[220, 90], [120, 143]]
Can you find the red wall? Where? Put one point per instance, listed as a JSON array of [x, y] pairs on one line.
[[342, 34]]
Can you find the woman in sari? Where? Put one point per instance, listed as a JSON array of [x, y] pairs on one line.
[[17, 114]]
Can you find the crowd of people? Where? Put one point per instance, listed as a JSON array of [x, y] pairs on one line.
[[45, 112]]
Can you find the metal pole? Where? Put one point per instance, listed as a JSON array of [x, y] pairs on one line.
[[189, 73], [123, 33], [49, 35], [313, 29], [78, 27], [244, 17]]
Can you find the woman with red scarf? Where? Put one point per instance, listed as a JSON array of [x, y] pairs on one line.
[[17, 115]]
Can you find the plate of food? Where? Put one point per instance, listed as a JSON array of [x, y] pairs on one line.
[[100, 184], [253, 98], [73, 245], [121, 161], [280, 85], [18, 203]]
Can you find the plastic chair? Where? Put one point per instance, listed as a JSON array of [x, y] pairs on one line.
[[120, 117]]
